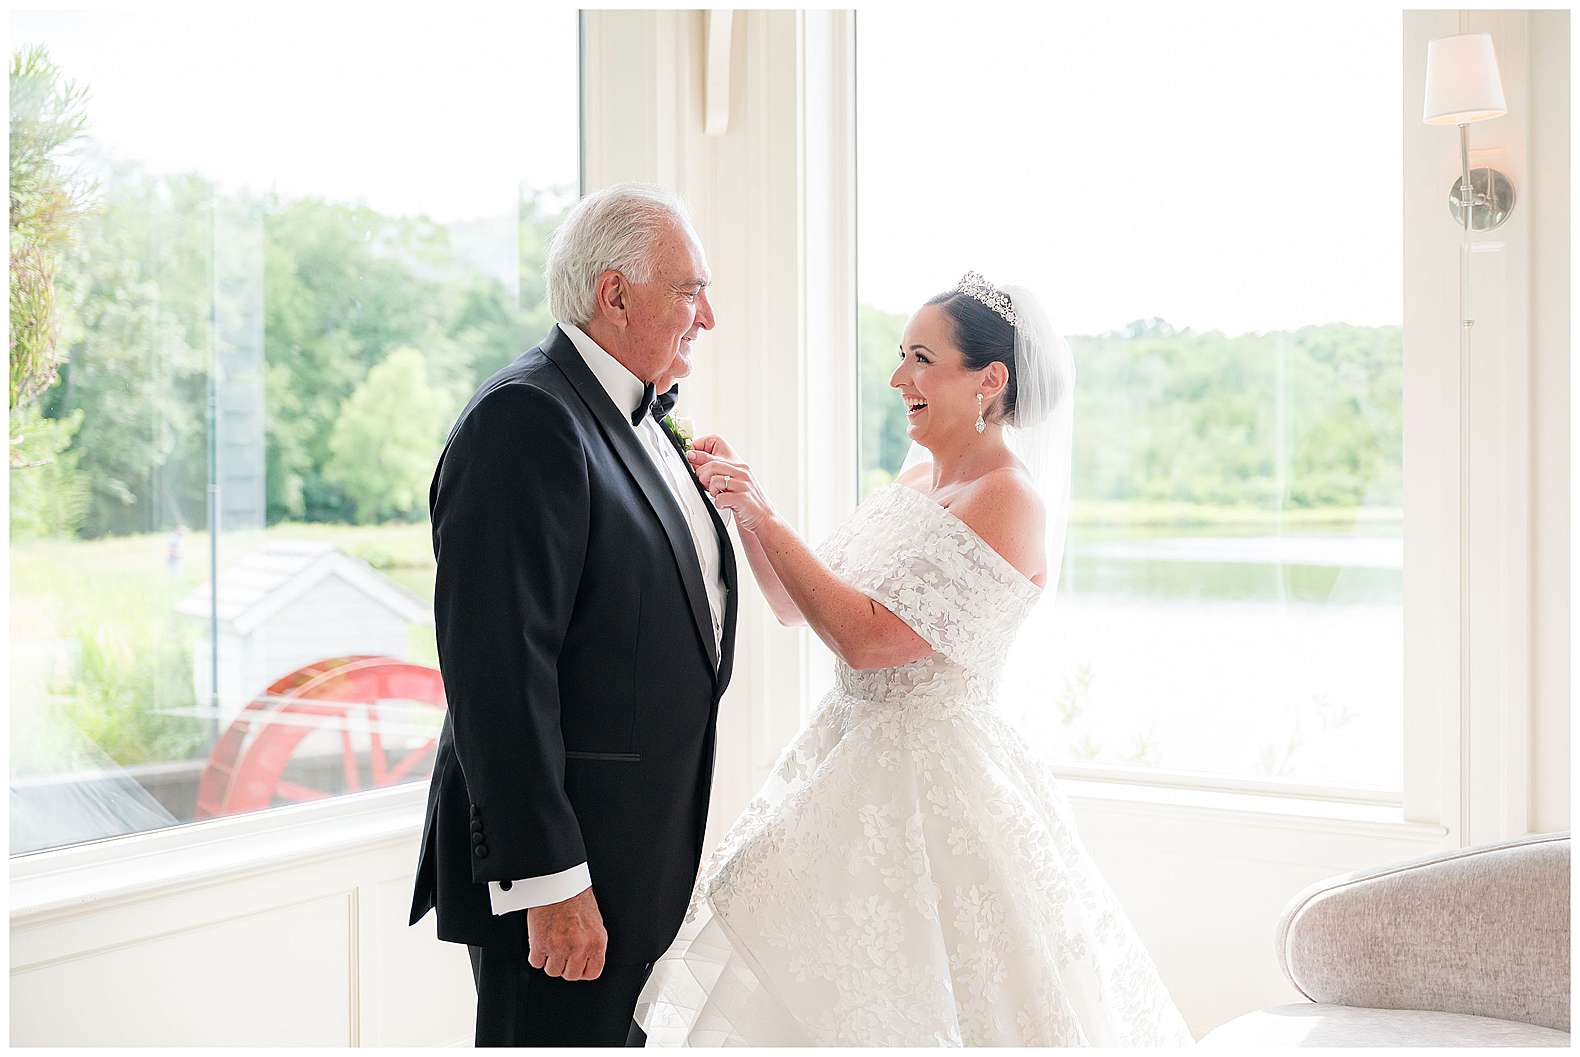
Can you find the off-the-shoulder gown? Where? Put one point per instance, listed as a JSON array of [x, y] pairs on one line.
[[910, 873]]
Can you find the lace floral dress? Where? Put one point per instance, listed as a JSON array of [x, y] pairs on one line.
[[910, 874]]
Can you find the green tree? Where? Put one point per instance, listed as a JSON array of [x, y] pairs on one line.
[[382, 447], [138, 297], [344, 286], [1307, 418], [49, 494], [884, 441], [1302, 419], [47, 115], [539, 216]]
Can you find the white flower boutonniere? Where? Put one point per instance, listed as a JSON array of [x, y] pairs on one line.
[[681, 429]]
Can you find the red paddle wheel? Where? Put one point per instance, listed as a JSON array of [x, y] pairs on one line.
[[384, 712]]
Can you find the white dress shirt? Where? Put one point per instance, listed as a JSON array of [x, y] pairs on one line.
[[625, 390]]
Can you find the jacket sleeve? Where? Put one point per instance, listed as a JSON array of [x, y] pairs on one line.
[[509, 506]]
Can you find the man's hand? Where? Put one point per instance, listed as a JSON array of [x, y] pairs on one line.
[[567, 939]]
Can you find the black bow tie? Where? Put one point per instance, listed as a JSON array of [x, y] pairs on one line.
[[658, 405]]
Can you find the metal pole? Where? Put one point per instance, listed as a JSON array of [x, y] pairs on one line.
[[1467, 199], [213, 486]]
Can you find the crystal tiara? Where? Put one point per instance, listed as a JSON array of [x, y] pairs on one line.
[[975, 284]]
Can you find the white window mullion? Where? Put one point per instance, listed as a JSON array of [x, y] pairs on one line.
[[771, 195]]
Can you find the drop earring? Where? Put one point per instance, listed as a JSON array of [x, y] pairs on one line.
[[981, 423]]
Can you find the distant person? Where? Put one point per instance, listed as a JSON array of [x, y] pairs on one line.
[[175, 547]]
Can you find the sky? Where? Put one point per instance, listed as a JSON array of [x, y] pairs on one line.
[[1221, 168], [409, 110], [1231, 169]]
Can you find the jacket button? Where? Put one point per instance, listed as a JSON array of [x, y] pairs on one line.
[[481, 851], [474, 811], [477, 838], [477, 825], [504, 886]]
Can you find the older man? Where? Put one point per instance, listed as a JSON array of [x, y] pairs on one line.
[[585, 611]]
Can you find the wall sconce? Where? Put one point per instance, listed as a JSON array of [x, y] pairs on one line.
[[1462, 87]]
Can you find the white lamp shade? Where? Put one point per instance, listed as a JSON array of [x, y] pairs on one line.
[[1462, 82]]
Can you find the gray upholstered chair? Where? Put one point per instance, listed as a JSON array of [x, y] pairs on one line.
[[1467, 948]]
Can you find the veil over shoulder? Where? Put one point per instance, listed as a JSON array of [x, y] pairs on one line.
[[1042, 437]]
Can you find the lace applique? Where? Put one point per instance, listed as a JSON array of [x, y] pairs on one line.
[[929, 568]]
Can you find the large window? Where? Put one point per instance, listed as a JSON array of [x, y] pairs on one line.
[[1208, 203], [302, 244]]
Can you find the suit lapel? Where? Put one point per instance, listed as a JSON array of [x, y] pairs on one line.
[[727, 569], [623, 439]]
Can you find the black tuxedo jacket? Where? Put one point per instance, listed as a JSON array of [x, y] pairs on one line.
[[577, 651]]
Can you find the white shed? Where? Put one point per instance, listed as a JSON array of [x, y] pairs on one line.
[[288, 604]]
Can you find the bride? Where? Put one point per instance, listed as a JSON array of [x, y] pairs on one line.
[[910, 874]]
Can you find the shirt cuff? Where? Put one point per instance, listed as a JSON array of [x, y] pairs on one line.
[[538, 891]]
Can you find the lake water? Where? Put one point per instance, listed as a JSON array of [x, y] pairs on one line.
[[1253, 656]]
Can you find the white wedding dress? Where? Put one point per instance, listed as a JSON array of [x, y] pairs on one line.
[[910, 874]]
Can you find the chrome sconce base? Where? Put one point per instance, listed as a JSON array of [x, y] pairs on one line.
[[1491, 205]]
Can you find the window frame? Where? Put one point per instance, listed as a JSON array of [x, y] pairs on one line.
[[1163, 781], [1444, 575], [198, 850], [1446, 771]]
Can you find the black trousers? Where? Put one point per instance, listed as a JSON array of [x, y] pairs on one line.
[[518, 1005]]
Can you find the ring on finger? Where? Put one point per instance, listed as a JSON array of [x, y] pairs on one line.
[[726, 487]]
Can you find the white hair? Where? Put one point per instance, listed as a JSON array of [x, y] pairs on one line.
[[615, 228]]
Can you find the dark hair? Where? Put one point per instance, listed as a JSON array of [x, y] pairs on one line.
[[984, 336]]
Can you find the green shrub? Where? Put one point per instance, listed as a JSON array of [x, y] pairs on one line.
[[49, 493], [127, 673]]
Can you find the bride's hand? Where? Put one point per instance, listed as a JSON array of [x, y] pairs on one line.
[[731, 485], [716, 446]]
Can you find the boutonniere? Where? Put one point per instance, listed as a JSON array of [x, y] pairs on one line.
[[680, 428]]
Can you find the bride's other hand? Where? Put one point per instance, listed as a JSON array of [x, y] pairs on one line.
[[709, 457], [731, 485], [716, 446]]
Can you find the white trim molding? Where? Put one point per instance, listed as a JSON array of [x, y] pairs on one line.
[[1469, 636], [1548, 197], [55, 885], [717, 122], [205, 933]]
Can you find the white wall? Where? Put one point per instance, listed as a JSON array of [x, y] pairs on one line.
[[242, 931], [282, 928], [1548, 198], [1491, 627]]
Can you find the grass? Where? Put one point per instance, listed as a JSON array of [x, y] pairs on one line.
[[53, 578], [1180, 515], [98, 650]]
